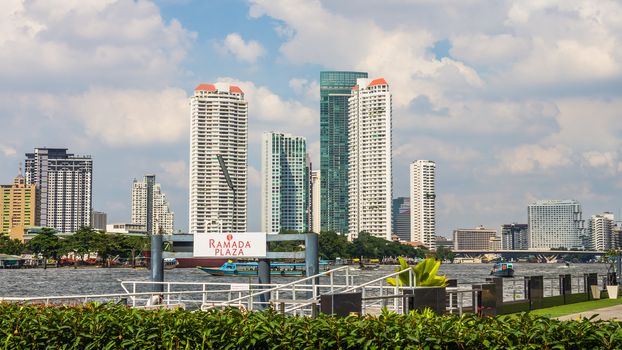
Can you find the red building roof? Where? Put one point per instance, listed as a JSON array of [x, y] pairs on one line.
[[379, 81], [205, 87], [236, 89]]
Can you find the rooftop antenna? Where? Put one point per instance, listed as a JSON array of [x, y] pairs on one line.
[[19, 171]]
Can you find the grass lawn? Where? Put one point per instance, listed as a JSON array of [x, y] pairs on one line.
[[569, 309]]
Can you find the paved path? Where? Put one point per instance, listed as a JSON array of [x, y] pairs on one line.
[[606, 313]]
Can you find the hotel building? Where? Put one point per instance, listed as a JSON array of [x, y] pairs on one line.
[[369, 146], [218, 127]]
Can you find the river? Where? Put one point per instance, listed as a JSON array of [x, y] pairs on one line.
[[69, 281]]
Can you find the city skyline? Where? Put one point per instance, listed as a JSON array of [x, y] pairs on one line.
[[513, 108]]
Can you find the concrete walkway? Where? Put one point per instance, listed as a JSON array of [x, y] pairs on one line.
[[606, 313]]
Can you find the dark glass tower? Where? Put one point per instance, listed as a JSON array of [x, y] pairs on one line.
[[335, 89]]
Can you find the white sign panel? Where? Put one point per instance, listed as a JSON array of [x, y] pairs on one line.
[[239, 287], [230, 245]]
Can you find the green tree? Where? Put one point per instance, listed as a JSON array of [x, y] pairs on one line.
[[133, 245], [333, 245], [444, 254], [83, 242], [109, 246], [47, 244], [11, 246]]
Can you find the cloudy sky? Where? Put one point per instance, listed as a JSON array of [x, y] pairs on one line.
[[514, 100]]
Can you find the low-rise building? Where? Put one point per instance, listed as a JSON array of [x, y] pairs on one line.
[[515, 236], [127, 228], [479, 238], [17, 205]]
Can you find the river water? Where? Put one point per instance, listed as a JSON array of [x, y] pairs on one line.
[[69, 281]]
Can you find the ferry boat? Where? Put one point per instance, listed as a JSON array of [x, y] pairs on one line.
[[503, 269], [170, 263], [250, 269]]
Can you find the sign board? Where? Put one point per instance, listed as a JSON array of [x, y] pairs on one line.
[[239, 287], [230, 245]]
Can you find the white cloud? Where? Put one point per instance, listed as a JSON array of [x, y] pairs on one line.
[[175, 172], [434, 149], [482, 49], [8, 151], [310, 90], [600, 159], [268, 107], [254, 177], [43, 43], [132, 117], [535, 158], [244, 51]]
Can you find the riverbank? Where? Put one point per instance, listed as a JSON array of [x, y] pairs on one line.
[[606, 308]]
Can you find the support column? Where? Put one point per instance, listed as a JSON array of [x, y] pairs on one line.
[[263, 272], [157, 264], [312, 260]]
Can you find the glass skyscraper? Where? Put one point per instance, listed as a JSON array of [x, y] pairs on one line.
[[285, 171], [335, 89]]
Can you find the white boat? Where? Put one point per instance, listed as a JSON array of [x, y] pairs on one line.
[[170, 263]]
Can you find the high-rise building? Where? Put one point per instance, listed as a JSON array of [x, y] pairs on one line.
[[64, 188], [99, 220], [423, 202], [479, 239], [515, 236], [150, 207], [218, 127], [17, 205], [616, 236], [335, 90], [555, 224], [401, 218], [370, 174], [315, 201], [601, 231], [285, 197]]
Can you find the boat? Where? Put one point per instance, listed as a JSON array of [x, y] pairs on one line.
[[368, 267], [502, 269], [251, 269], [170, 263]]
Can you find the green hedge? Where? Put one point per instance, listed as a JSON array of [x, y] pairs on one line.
[[113, 327]]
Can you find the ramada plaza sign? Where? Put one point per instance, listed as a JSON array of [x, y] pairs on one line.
[[230, 245]]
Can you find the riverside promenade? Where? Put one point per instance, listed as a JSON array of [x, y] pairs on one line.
[[611, 313]]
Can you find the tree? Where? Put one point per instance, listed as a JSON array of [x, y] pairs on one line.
[[444, 254], [332, 245], [109, 246], [11, 246], [83, 242], [46, 243], [133, 244]]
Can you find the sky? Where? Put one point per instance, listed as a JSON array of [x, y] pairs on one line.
[[515, 100]]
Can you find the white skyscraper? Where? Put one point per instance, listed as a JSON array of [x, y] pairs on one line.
[[150, 206], [64, 188], [316, 202], [555, 224], [601, 231], [369, 147], [285, 202], [423, 202], [218, 126]]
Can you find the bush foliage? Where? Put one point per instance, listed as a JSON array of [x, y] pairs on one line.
[[111, 327]]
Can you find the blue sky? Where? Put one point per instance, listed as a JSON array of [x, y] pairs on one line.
[[515, 101]]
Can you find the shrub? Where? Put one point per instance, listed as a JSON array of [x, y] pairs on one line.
[[110, 326]]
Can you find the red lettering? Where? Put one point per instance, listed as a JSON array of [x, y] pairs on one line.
[[217, 252], [241, 252], [248, 244], [211, 243]]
